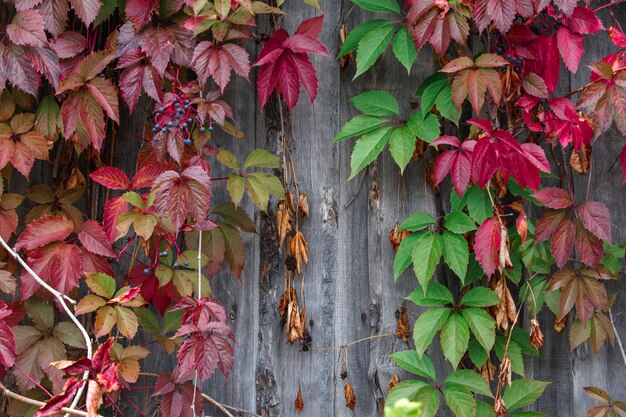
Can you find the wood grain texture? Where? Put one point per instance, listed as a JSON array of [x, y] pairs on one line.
[[350, 292]]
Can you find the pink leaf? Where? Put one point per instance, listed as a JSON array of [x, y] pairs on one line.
[[596, 218], [44, 230], [140, 11], [87, 10], [570, 47], [583, 21], [111, 177], [487, 245], [27, 28], [95, 240], [113, 208], [562, 242], [69, 44], [145, 176], [311, 27], [556, 198]]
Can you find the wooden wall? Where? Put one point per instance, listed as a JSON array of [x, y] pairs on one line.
[[350, 292]]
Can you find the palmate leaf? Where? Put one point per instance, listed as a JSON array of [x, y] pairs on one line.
[[360, 125], [382, 6], [407, 389], [402, 146], [482, 325], [456, 253], [523, 392], [436, 295], [454, 338], [367, 148], [371, 46], [354, 37], [460, 400], [410, 361], [427, 325], [404, 48], [426, 255], [376, 103], [471, 380]]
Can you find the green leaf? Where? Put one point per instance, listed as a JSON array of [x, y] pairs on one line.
[[236, 216], [483, 326], [368, 148], [480, 297], [428, 397], [402, 260], [235, 187], [172, 320], [436, 295], [427, 325], [426, 127], [148, 321], [356, 34], [48, 120], [470, 380], [446, 106], [405, 389], [228, 159], [479, 204], [371, 47], [429, 90], [260, 158], [376, 103], [460, 400], [458, 203], [410, 361], [426, 255], [456, 253], [101, 284], [523, 392], [474, 271], [404, 48], [454, 339], [484, 409], [358, 126], [476, 352], [417, 221], [40, 312], [258, 192], [382, 6], [514, 353], [133, 198], [458, 222], [402, 146]]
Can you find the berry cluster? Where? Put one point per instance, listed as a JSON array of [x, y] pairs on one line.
[[546, 24], [177, 114], [516, 61]]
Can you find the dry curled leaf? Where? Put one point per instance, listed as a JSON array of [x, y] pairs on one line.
[[580, 161], [283, 221], [288, 296], [505, 370], [504, 255], [348, 393], [536, 335], [299, 249], [500, 408], [402, 328], [392, 382], [289, 200], [396, 237], [506, 311], [303, 205], [560, 324], [346, 59], [488, 371], [299, 403], [296, 322], [499, 184]]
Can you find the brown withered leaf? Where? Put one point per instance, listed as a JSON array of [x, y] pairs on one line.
[[296, 322], [283, 221], [499, 185], [506, 311], [521, 223], [299, 249], [560, 324], [348, 393], [500, 408], [402, 328], [536, 335], [488, 371], [288, 296], [580, 161], [504, 255], [299, 403], [396, 237], [346, 59], [392, 382], [505, 370], [420, 148], [289, 199], [303, 205]]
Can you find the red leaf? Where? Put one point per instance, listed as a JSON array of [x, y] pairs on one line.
[[562, 242], [458, 64], [56, 403], [487, 245], [113, 208], [44, 230], [105, 94], [54, 14], [218, 62], [200, 312], [583, 21], [111, 177], [311, 27], [140, 11], [7, 339], [87, 10], [177, 398], [553, 197], [145, 176], [547, 224], [455, 162], [588, 247], [69, 44], [617, 37], [27, 28], [502, 12], [19, 70], [305, 44], [570, 47], [596, 218], [95, 240], [57, 264]]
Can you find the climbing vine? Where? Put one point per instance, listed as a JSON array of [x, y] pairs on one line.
[[515, 233]]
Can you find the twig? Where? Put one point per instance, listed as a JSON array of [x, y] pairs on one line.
[[619, 340], [10, 394], [217, 405], [61, 299], [241, 411], [376, 336]]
